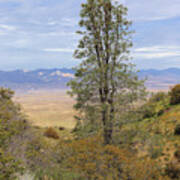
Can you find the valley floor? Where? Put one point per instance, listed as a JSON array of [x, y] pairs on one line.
[[47, 108]]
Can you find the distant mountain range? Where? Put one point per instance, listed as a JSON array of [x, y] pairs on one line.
[[37, 79], [160, 79], [57, 78]]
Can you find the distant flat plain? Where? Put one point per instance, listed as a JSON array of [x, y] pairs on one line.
[[47, 108]]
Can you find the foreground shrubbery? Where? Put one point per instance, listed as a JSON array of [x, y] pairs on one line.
[[12, 124], [156, 105], [9, 166], [89, 159], [175, 95], [15, 136], [136, 152]]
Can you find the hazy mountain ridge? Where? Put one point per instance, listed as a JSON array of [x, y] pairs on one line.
[[58, 78], [161, 79], [41, 78]]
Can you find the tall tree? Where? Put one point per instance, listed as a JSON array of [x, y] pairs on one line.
[[105, 74]]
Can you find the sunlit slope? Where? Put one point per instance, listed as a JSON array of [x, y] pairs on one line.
[[156, 136]]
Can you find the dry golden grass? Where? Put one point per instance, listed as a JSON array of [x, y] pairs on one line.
[[51, 108]]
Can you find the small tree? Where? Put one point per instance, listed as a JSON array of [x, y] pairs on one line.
[[105, 78], [175, 95], [11, 125]]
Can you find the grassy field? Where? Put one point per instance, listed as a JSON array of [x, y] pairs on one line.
[[48, 108]]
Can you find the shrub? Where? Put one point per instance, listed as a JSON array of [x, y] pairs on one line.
[[12, 127], [177, 130], [9, 166], [172, 170], [61, 128], [177, 155], [160, 96], [90, 158], [148, 110], [175, 95], [156, 105], [43, 161], [51, 133]]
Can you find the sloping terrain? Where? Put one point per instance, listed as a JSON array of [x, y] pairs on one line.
[[156, 134]]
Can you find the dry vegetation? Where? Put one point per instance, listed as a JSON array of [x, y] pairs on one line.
[[48, 108], [149, 144], [145, 148]]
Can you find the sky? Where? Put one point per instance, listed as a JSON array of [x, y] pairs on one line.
[[41, 33]]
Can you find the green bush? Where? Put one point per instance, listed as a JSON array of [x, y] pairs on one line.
[[12, 126], [9, 166], [156, 105], [159, 96], [177, 155], [177, 130], [175, 95], [172, 170], [148, 110]]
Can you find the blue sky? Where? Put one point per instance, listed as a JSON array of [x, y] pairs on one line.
[[41, 33]]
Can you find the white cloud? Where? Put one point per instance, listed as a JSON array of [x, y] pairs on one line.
[[45, 28], [21, 43], [69, 22], [60, 33], [65, 50], [53, 23], [157, 52], [157, 48], [7, 27], [141, 10]]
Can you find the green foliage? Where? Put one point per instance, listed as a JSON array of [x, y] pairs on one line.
[[105, 76], [149, 110], [177, 129], [11, 124], [6, 94], [159, 96], [155, 148], [45, 163], [9, 166], [156, 105], [89, 130], [177, 155], [56, 173], [173, 170], [175, 95]]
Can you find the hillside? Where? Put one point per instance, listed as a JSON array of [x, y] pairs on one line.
[[154, 133], [148, 137], [57, 78]]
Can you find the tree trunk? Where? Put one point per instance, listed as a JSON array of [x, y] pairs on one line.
[[108, 127], [108, 134]]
